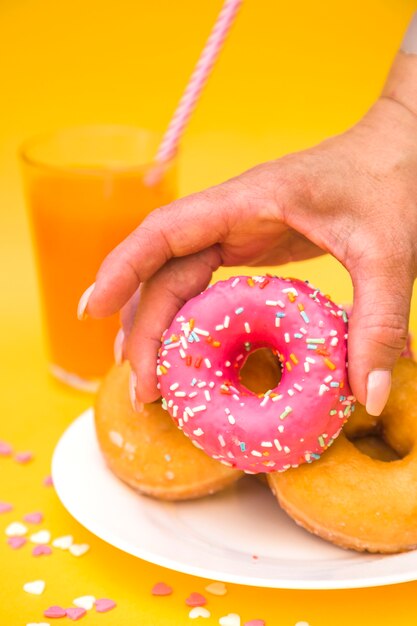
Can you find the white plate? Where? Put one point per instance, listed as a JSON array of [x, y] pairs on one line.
[[239, 535]]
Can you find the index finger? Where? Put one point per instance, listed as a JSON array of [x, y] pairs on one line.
[[184, 227]]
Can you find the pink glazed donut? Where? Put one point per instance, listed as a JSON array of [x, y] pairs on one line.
[[205, 347]]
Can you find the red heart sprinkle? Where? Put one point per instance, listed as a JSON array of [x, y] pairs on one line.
[[41, 550], [161, 589], [33, 518], [5, 448], [104, 604], [16, 542], [23, 457], [255, 622], [75, 613], [5, 507], [196, 599], [55, 611]]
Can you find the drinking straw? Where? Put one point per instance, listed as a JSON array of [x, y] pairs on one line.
[[170, 141]]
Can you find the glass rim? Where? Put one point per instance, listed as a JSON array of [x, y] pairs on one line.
[[25, 148]]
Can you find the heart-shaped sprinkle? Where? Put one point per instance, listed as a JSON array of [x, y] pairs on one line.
[[75, 613], [217, 589], [23, 457], [196, 599], [55, 612], [33, 518], [255, 622], [36, 587], [41, 550], [16, 542], [232, 619], [5, 448], [16, 529], [198, 611], [78, 549], [47, 481], [85, 602], [161, 589], [5, 507], [64, 542], [302, 624], [41, 537], [104, 604]]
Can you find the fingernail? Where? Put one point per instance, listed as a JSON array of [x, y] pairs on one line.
[[82, 305], [377, 391], [133, 381], [118, 346]]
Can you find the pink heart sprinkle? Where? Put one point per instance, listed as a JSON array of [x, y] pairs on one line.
[[161, 589], [41, 550], [5, 507], [23, 457], [16, 542], [75, 613], [55, 611], [33, 518], [104, 604], [5, 448], [47, 481], [255, 622], [196, 599]]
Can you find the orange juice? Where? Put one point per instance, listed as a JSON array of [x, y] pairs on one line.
[[78, 214]]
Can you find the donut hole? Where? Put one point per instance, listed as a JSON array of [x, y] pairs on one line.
[[373, 444], [261, 371]]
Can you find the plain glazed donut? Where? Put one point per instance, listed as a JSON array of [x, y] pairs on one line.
[[356, 501], [205, 347], [147, 451]]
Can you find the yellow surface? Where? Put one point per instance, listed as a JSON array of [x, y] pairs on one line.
[[292, 73]]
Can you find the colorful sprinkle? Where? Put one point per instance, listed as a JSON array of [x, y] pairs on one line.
[[35, 587], [5, 449], [23, 457], [195, 599], [5, 507], [161, 589], [104, 604], [199, 611], [75, 613], [55, 611]]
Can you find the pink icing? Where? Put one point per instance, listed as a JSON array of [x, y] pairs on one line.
[[207, 344]]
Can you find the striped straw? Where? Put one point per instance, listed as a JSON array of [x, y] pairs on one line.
[[169, 143]]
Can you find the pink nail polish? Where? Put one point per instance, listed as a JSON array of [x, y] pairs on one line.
[[118, 347], [133, 381], [377, 391], [82, 305]]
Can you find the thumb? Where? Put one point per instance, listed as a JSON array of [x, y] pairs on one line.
[[378, 329]]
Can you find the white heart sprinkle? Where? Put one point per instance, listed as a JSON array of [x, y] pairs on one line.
[[63, 542], [85, 602], [198, 611], [78, 549], [217, 589], [16, 529], [42, 537], [38, 624], [36, 587], [233, 619], [302, 624]]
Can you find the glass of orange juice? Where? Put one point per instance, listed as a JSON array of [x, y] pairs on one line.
[[87, 188]]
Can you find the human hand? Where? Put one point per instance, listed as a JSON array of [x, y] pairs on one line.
[[353, 196]]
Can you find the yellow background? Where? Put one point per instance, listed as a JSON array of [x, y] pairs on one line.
[[291, 74]]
